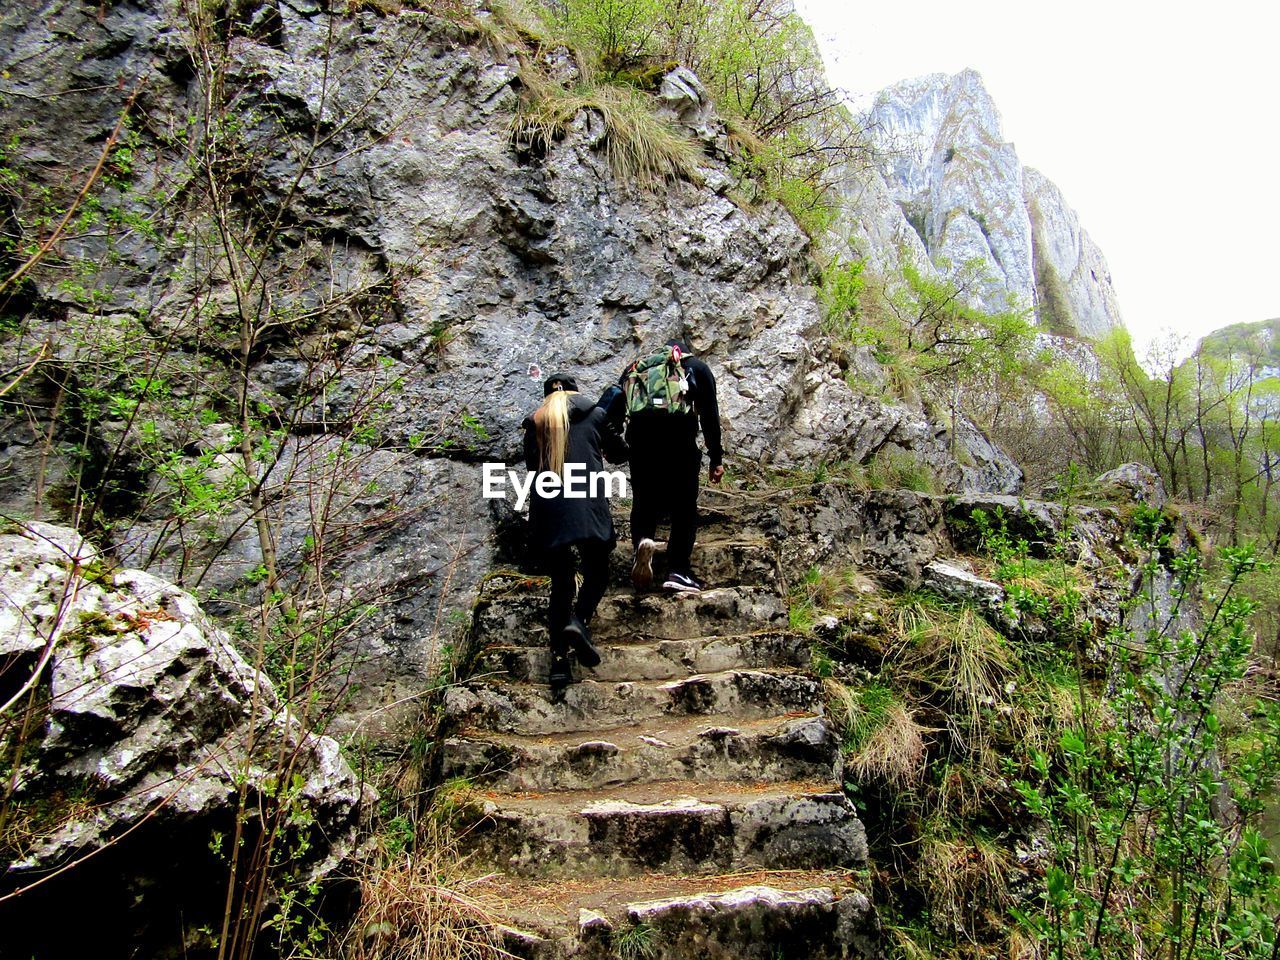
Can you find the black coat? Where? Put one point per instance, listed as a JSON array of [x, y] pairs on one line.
[[558, 521]]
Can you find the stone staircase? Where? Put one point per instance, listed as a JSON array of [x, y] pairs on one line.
[[681, 800]]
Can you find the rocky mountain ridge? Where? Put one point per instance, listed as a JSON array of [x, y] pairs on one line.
[[949, 189]]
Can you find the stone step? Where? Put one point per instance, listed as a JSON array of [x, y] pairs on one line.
[[535, 710], [685, 826], [656, 659], [817, 914], [773, 749], [719, 517], [721, 561], [517, 616]]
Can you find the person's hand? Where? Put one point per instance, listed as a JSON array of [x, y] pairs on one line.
[[716, 472]]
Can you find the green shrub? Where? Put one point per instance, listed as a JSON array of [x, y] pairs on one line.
[[1142, 855]]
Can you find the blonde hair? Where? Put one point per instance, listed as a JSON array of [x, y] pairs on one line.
[[551, 420]]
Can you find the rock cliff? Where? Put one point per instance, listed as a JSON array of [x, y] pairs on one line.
[[273, 352], [946, 171]]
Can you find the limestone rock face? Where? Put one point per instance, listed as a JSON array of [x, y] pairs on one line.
[[811, 921], [949, 189], [1135, 482], [144, 722], [685, 100], [950, 169], [1074, 293]]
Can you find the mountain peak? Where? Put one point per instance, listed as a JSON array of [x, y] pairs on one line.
[[943, 161]]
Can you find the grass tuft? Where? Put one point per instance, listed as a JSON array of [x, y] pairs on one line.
[[424, 905], [641, 147], [892, 469], [882, 739], [821, 592], [511, 25], [636, 942], [957, 653], [967, 881]]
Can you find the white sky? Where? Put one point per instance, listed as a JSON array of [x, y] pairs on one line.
[[1159, 121]]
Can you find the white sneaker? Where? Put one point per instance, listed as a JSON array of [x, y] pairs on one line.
[[642, 565]]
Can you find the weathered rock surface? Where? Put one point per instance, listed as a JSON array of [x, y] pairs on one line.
[[956, 583], [812, 923], [1074, 291], [955, 177], [144, 723], [1135, 482]]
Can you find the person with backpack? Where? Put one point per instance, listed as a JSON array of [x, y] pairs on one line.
[[668, 394], [567, 428]]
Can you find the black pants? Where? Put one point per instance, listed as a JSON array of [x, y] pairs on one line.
[[564, 569], [664, 483]]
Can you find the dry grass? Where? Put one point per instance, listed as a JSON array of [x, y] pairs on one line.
[[1021, 945], [389, 8], [821, 592], [881, 736], [640, 147], [744, 139], [966, 882], [23, 825], [1044, 710], [892, 469], [964, 789], [959, 655], [424, 907], [895, 752], [514, 25], [903, 945]]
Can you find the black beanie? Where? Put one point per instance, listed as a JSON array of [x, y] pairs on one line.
[[559, 380]]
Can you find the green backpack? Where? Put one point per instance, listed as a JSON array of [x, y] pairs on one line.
[[657, 384]]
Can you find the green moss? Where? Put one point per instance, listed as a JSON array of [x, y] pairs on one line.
[[98, 571], [91, 624], [647, 78], [1053, 302]]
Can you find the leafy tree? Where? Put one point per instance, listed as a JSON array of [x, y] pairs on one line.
[[1155, 850]]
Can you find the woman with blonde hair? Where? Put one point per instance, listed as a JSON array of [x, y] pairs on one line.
[[569, 429]]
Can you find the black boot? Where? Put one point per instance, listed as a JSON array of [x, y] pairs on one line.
[[561, 671], [580, 640]]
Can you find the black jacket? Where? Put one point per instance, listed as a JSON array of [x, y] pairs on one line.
[[558, 521], [702, 390]]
